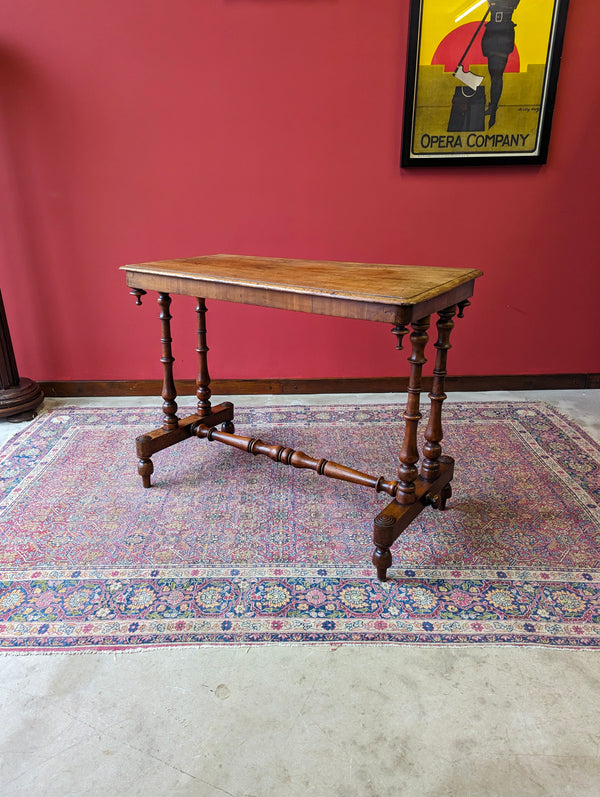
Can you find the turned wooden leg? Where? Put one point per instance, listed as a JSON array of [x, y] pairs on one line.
[[169, 394], [445, 494], [203, 391], [382, 537], [382, 559], [409, 453], [430, 467], [146, 469]]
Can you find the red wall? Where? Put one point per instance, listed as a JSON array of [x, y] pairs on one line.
[[169, 128]]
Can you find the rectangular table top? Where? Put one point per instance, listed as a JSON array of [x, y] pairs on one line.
[[393, 293]]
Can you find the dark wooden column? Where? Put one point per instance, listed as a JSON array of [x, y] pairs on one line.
[[203, 392], [19, 397], [169, 394], [409, 454], [434, 434]]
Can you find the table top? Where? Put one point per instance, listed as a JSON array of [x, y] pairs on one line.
[[394, 293]]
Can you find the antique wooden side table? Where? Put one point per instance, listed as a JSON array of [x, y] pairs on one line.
[[400, 295]]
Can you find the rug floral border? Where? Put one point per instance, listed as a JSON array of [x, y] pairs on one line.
[[125, 608]]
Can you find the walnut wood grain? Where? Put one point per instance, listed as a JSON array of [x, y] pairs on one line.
[[391, 293]]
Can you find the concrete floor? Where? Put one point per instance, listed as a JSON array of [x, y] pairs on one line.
[[300, 720]]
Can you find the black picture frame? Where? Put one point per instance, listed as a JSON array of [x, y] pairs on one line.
[[448, 119]]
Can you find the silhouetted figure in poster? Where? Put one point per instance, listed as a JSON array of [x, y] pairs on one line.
[[497, 44]]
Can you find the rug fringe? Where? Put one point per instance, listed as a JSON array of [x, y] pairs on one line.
[[295, 644]]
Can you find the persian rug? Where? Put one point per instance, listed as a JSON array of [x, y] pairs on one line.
[[227, 548]]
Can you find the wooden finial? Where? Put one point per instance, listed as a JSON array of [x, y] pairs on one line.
[[462, 306], [399, 331], [138, 293]]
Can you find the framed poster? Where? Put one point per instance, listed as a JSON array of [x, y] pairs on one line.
[[481, 81]]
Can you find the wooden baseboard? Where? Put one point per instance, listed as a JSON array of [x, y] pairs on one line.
[[226, 387]]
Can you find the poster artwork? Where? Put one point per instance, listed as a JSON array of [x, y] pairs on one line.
[[481, 79]]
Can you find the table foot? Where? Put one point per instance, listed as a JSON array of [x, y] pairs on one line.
[[149, 443], [395, 518], [146, 469], [382, 559], [445, 495]]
